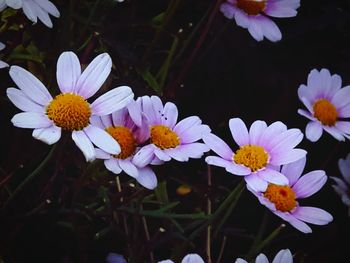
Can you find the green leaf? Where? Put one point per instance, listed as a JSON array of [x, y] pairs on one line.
[[161, 193], [158, 19]]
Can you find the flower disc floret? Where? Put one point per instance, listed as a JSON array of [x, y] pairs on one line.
[[69, 111], [252, 7], [251, 156], [126, 140], [283, 197], [163, 137], [325, 112]]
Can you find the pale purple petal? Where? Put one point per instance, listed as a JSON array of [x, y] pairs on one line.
[[276, 11], [228, 10], [240, 260], [41, 14], [113, 165], [48, 7], [334, 132], [269, 28], [255, 183], [15, 4], [102, 139], [294, 170], [177, 154], [192, 258], [283, 256], [194, 150], [313, 215], [161, 155], [147, 178], [239, 131], [94, 76], [310, 183], [31, 120], [341, 98], [340, 183], [84, 144], [48, 135], [261, 258], [286, 140], [134, 108], [255, 132], [287, 156], [273, 176], [30, 85], [186, 124], [68, 72], [144, 156], [23, 102], [112, 100], [313, 131], [271, 132], [106, 121], [128, 167], [170, 112], [241, 18], [30, 11], [344, 167], [229, 166], [306, 114], [298, 224], [100, 154], [254, 28], [96, 121], [218, 146], [194, 134], [148, 111]]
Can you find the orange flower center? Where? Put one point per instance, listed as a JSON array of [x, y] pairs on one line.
[[252, 156], [163, 137], [325, 112], [282, 196], [69, 111], [125, 139], [252, 7]]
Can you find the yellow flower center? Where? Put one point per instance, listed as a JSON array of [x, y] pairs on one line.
[[163, 137], [69, 111], [282, 196], [252, 7], [252, 156], [325, 112], [126, 140]]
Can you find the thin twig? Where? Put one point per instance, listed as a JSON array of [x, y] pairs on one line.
[[145, 227], [222, 248]]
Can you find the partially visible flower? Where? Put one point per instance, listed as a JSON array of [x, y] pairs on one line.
[[261, 150], [282, 200], [342, 187], [121, 126], [169, 139], [253, 15], [115, 258], [283, 256], [327, 104], [33, 9], [2, 63], [190, 258], [69, 110]]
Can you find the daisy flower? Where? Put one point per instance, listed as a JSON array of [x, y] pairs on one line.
[[190, 258], [121, 126], [169, 139], [342, 186], [283, 256], [2, 63], [327, 104], [33, 9], [282, 200], [253, 15], [68, 111], [261, 150]]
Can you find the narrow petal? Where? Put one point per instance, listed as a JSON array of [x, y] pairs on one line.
[[144, 156], [229, 166], [294, 170], [30, 11], [218, 146], [23, 102], [15, 4], [96, 121], [269, 28], [254, 29], [313, 131], [48, 7], [227, 10], [283, 256], [31, 120], [272, 131], [194, 150], [344, 167], [261, 258], [170, 115], [310, 183], [256, 131], [113, 166], [135, 112], [112, 100], [194, 134], [332, 130], [177, 154], [102, 139], [94, 76], [313, 215], [273, 177], [84, 144], [129, 168], [298, 224], [147, 178], [239, 131], [41, 14], [287, 156], [186, 124], [102, 154], [30, 85], [306, 114], [286, 140], [256, 183], [161, 155], [106, 121], [68, 71], [48, 135]]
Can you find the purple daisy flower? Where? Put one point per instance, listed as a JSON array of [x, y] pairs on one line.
[[253, 15], [121, 126], [327, 104], [169, 139], [69, 110], [261, 150], [282, 199], [283, 256], [342, 186], [190, 258]]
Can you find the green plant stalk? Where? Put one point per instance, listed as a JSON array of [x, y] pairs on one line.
[[259, 235]]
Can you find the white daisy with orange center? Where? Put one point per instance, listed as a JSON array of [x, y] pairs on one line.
[[254, 15], [69, 111], [121, 126], [328, 105], [169, 139], [282, 200], [261, 149]]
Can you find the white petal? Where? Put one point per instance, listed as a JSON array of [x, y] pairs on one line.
[[194, 134], [42, 15], [31, 120], [3, 64], [94, 76], [68, 71], [161, 155], [273, 176], [23, 102], [186, 124], [239, 131], [218, 146], [255, 183], [48, 135], [102, 139], [147, 178], [192, 258], [170, 115], [313, 131], [283, 256], [113, 166], [310, 183], [128, 167], [84, 144], [256, 131], [313, 215], [112, 100], [240, 260], [144, 156], [48, 7], [30, 11], [261, 258]]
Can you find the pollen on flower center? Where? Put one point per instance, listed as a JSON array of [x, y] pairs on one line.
[[69, 111], [163, 137], [325, 112], [252, 156], [282, 196], [126, 140], [252, 7]]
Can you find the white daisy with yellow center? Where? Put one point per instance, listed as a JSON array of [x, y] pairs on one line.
[[328, 105], [69, 111]]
